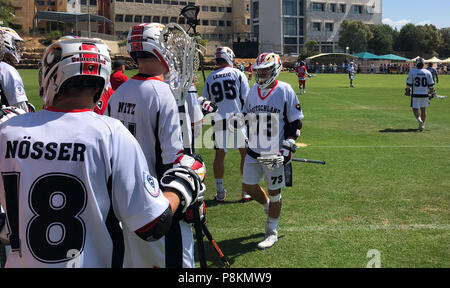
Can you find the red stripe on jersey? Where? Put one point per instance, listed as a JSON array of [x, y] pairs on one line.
[[259, 91], [53, 109]]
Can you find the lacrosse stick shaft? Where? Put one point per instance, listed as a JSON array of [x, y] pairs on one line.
[[208, 235], [308, 161]]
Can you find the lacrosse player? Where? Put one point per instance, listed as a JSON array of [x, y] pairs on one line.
[[271, 106], [302, 72], [228, 88], [146, 105], [420, 86], [434, 72], [69, 175], [351, 73], [12, 92]]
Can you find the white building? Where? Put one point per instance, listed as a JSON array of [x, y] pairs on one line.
[[284, 26]]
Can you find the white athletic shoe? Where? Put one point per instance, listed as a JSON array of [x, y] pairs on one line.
[[246, 197], [421, 126], [269, 240], [221, 195]]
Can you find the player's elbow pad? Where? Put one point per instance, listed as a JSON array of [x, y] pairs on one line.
[[157, 228], [293, 129]]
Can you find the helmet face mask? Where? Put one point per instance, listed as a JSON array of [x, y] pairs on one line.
[[66, 59], [226, 54], [420, 62], [13, 44], [267, 67]]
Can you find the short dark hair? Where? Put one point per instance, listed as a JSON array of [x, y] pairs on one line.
[[83, 82], [221, 61], [117, 65], [141, 54]]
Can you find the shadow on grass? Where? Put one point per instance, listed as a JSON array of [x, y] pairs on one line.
[[212, 203], [390, 130], [231, 248]]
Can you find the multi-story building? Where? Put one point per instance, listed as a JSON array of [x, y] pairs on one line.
[[284, 26], [219, 20]]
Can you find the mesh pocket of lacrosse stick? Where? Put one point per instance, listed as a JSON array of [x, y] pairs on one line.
[[180, 50], [272, 162]]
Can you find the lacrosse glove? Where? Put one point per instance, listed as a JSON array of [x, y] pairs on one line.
[[9, 112], [287, 151], [207, 106]]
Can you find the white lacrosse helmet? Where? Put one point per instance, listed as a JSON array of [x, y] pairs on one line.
[[269, 61], [420, 60], [145, 38], [226, 54], [13, 43], [69, 58]]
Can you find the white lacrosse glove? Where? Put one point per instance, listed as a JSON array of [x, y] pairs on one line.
[[9, 112], [187, 182], [207, 106], [431, 93], [287, 151]]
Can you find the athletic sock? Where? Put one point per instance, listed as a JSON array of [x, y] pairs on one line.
[[219, 185], [271, 225], [419, 119], [266, 206]]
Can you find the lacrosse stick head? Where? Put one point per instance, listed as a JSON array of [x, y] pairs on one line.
[[179, 49], [272, 161]]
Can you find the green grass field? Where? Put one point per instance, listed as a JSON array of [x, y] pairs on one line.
[[385, 186]]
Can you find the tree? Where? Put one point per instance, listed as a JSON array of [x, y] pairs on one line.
[[309, 50], [6, 13], [382, 41], [444, 47], [355, 35]]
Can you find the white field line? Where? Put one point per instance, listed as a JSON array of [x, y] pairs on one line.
[[342, 100], [379, 146], [339, 228]]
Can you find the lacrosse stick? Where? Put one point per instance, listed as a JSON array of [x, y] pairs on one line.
[[208, 235], [275, 161], [440, 97]]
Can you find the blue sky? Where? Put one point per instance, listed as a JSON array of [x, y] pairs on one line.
[[419, 12]]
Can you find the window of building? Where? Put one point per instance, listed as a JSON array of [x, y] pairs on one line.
[[229, 23], [222, 9], [174, 2], [156, 19], [329, 27], [255, 9], [129, 0], [221, 23], [290, 40], [318, 7], [316, 26], [191, 3], [205, 22], [147, 19], [213, 36], [42, 3], [290, 26], [93, 2], [342, 8], [148, 1], [229, 10], [357, 9], [164, 20], [300, 26], [128, 18], [213, 22], [157, 1], [300, 7], [139, 1], [51, 3], [183, 3], [213, 9], [290, 49], [173, 19], [138, 19], [182, 20], [116, 1], [332, 7], [205, 36], [290, 7], [119, 18], [205, 8]]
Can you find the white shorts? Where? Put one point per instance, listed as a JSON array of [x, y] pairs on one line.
[[254, 172], [229, 137], [419, 102]]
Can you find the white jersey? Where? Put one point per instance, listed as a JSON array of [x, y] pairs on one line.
[[228, 88], [194, 115], [67, 179], [270, 110], [11, 86], [148, 109], [420, 80]]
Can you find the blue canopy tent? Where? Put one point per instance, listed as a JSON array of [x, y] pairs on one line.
[[366, 56], [392, 57]]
